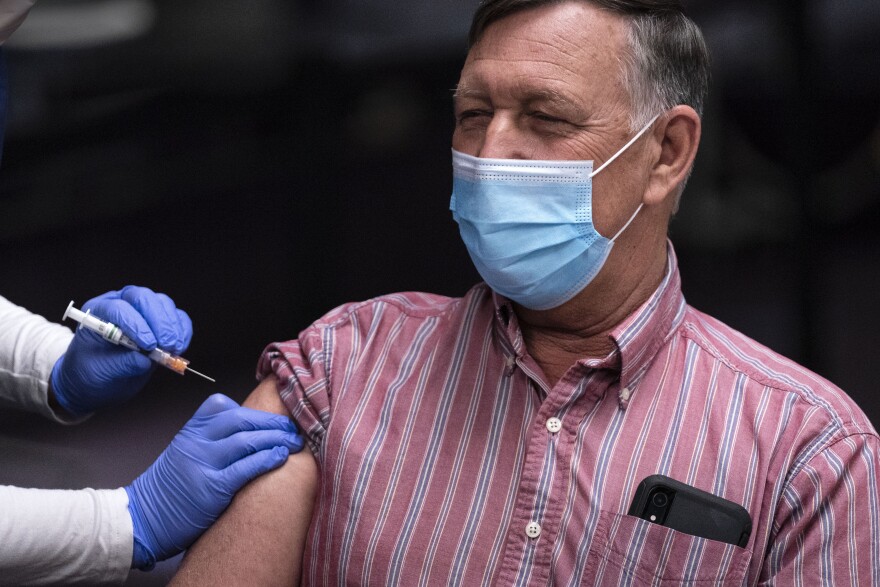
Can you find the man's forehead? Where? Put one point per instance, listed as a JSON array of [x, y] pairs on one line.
[[527, 89], [563, 87]]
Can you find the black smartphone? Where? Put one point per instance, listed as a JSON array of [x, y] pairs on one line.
[[673, 504]]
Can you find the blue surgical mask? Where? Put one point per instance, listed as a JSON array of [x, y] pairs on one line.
[[528, 225]]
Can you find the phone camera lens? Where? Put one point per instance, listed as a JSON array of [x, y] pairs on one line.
[[660, 499]]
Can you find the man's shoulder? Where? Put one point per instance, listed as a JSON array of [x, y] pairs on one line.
[[411, 304], [764, 366]]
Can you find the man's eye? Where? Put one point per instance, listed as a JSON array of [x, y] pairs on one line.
[[472, 114], [543, 117]]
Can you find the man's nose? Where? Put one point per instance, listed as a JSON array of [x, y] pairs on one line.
[[503, 140]]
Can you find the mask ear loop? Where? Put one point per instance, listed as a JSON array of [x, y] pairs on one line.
[[626, 146], [615, 156], [628, 222]]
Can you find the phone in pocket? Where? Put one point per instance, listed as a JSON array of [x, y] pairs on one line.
[[673, 504]]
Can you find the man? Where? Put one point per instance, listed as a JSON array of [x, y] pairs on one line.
[[500, 438], [90, 537]]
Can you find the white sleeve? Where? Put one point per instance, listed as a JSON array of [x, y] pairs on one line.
[[54, 536], [29, 347], [12, 14]]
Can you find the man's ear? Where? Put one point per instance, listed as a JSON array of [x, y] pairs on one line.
[[678, 135]]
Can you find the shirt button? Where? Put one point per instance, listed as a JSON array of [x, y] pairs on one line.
[[554, 425], [533, 530], [625, 393], [511, 362]]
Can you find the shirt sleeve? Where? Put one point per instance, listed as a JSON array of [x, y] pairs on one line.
[[303, 367], [303, 383], [53, 537], [29, 347], [827, 527]]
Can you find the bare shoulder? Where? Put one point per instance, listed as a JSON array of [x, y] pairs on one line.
[[259, 539], [265, 397]]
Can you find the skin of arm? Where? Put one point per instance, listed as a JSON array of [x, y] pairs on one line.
[[259, 539]]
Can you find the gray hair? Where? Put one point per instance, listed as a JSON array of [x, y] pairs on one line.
[[668, 60]]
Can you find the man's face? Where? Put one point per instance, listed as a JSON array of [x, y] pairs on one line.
[[547, 83]]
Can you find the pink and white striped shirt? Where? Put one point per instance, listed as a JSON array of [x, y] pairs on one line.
[[445, 458]]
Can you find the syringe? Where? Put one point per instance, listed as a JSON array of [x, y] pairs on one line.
[[112, 333]]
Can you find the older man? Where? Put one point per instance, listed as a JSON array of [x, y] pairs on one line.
[[499, 438]]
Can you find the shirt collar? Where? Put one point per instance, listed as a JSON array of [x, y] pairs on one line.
[[644, 332], [637, 338]]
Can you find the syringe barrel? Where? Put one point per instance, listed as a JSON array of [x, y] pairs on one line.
[[108, 331]]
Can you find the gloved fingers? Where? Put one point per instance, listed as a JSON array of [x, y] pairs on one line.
[[118, 372], [215, 404], [171, 326], [122, 314], [239, 446], [81, 391], [134, 363], [186, 322], [127, 361], [232, 421], [106, 362], [242, 471]]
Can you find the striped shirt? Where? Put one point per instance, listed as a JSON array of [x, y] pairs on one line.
[[446, 459]]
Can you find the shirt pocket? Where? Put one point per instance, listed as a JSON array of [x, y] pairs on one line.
[[630, 551]]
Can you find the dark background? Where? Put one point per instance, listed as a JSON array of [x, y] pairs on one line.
[[264, 161]]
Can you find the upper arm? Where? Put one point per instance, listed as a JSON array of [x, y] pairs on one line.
[[259, 539], [829, 518]]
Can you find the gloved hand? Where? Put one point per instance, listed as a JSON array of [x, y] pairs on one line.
[[221, 448], [94, 373]]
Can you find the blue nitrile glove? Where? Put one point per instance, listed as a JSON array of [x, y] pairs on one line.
[[221, 448], [94, 373]]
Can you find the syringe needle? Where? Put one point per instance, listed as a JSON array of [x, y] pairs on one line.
[[202, 375]]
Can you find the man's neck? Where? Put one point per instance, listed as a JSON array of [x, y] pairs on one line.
[[580, 328]]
